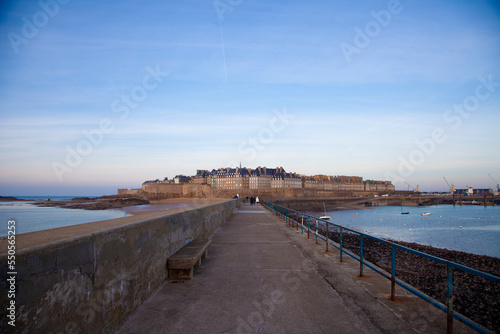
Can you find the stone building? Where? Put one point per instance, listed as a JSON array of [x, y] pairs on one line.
[[286, 180], [260, 177], [231, 178], [372, 185], [275, 178]]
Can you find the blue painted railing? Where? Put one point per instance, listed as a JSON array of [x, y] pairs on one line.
[[288, 215]]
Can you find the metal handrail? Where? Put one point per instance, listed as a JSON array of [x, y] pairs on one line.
[[287, 214]]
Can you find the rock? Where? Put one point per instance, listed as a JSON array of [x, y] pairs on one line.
[[101, 203]]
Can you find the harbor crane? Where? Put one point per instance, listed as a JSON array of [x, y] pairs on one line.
[[495, 182], [414, 189], [452, 188]]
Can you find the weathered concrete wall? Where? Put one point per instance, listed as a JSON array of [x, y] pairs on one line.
[[92, 283]]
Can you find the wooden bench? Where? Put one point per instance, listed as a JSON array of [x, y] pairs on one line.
[[181, 264]]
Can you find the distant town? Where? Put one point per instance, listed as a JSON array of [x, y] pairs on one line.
[[275, 178], [264, 181]]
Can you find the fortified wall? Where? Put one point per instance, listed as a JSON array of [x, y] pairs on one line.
[[170, 190], [90, 278]]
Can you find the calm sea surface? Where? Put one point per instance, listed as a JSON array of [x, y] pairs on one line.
[[468, 228], [30, 218]]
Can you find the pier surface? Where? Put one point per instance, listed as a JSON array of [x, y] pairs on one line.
[[262, 276]]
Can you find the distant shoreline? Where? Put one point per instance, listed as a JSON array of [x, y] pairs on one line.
[[11, 199], [100, 203]]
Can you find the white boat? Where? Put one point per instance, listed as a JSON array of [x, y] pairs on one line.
[[425, 214], [325, 217]]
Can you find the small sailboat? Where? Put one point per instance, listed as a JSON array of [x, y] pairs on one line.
[[325, 217], [406, 212]]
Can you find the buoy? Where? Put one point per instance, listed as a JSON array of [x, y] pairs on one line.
[[460, 226], [380, 219], [405, 224], [410, 229]]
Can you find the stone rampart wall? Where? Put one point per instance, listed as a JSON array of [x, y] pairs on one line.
[[92, 283], [156, 191]]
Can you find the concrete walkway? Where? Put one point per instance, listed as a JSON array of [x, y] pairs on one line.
[[262, 276]]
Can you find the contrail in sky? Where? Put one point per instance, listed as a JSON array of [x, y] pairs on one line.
[[223, 48]]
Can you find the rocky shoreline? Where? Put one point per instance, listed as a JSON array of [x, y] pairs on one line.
[[474, 297], [10, 199], [101, 203]]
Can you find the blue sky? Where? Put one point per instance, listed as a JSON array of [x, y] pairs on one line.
[[101, 95]]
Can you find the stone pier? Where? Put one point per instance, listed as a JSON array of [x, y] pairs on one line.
[[263, 276]]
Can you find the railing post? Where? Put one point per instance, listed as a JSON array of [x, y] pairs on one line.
[[340, 242], [361, 255], [393, 272], [449, 295], [302, 226], [316, 230], [308, 227], [326, 238]]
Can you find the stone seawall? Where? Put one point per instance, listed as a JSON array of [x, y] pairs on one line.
[[156, 191], [92, 282]]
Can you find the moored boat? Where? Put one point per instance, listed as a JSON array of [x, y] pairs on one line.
[[325, 217]]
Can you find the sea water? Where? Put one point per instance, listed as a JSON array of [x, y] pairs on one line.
[[30, 218], [469, 228]]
